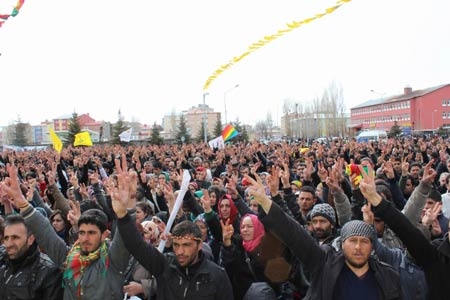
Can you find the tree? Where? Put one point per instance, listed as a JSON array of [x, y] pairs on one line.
[[20, 137], [74, 128], [201, 134], [218, 127], [156, 138], [244, 134], [395, 130], [182, 136], [118, 128]]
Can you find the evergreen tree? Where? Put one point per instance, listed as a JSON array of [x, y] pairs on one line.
[[156, 138], [74, 128], [395, 130], [239, 128], [218, 127], [117, 129], [182, 136], [20, 137], [201, 135], [244, 134]]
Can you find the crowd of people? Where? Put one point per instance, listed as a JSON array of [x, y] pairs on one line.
[[325, 220]]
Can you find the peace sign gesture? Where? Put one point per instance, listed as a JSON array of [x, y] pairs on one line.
[[227, 232], [368, 187]]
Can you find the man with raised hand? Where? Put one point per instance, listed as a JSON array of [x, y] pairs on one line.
[[347, 274], [184, 274], [435, 264], [92, 268]]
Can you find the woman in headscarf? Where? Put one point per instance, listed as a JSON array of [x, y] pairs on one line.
[[239, 255], [138, 281]]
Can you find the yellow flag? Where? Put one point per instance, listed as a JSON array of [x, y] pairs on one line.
[[57, 144], [82, 139]]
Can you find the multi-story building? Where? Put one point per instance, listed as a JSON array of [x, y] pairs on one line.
[[194, 117], [423, 110]]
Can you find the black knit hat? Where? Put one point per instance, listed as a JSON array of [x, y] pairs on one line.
[[325, 210], [357, 228]]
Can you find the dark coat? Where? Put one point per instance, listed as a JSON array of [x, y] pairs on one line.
[[323, 262], [208, 280], [435, 263], [35, 277]]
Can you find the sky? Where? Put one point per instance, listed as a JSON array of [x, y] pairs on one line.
[[152, 58]]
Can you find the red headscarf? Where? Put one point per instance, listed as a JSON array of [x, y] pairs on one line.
[[233, 209], [258, 233]]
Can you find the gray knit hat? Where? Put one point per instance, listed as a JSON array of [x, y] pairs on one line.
[[325, 210], [357, 228]]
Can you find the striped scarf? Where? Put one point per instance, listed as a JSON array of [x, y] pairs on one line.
[[76, 263]]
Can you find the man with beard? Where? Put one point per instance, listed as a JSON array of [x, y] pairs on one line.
[[93, 268], [323, 220], [25, 273], [347, 274]]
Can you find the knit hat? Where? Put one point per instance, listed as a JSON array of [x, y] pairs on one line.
[[357, 228], [325, 210]]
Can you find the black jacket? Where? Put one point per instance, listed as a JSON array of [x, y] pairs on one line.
[[208, 281], [435, 263], [33, 278], [323, 262]]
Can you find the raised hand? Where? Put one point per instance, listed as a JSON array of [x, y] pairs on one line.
[[368, 215], [120, 195], [74, 213], [227, 232], [429, 173], [367, 185], [11, 186], [258, 192]]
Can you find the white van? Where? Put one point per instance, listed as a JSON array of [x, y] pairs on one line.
[[371, 136]]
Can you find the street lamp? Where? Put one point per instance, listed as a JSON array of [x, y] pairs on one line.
[[205, 135], [225, 100]]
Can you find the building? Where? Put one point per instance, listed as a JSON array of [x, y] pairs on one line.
[[194, 119], [313, 125], [423, 110]]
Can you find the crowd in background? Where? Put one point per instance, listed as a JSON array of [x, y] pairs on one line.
[[324, 220]]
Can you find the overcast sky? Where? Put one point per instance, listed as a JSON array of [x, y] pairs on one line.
[[152, 58]]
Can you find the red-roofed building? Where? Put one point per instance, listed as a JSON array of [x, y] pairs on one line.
[[421, 110]]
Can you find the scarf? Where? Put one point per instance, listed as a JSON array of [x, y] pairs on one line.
[[258, 233], [233, 210], [76, 263]]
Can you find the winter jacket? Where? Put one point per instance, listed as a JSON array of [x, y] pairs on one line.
[[34, 277], [207, 281], [323, 262], [95, 284], [435, 264], [412, 277]]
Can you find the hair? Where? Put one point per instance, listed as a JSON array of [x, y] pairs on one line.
[[146, 208], [59, 212], [186, 228], [435, 195], [95, 217], [383, 189], [415, 164], [219, 192], [308, 189], [14, 220]]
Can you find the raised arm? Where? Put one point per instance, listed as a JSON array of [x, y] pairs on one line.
[[46, 236], [147, 255]]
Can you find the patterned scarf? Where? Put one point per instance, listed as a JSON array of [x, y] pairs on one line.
[[76, 263]]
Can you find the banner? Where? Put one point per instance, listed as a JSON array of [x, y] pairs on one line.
[[56, 141], [229, 132], [82, 139], [126, 135], [217, 143]]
